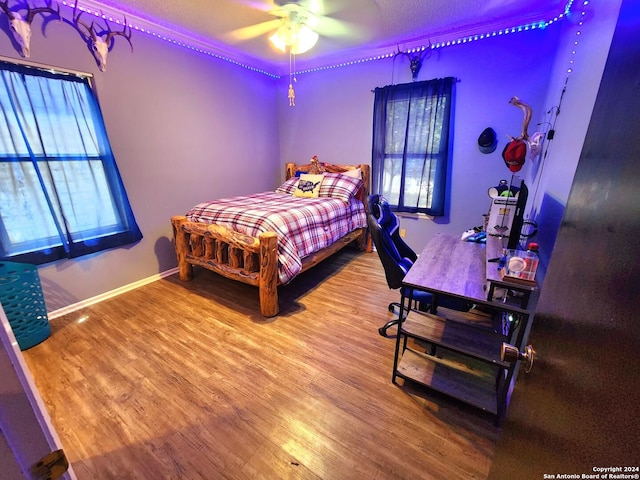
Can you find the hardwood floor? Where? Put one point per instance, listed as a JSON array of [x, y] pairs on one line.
[[187, 380]]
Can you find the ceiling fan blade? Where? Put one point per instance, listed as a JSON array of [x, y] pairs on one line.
[[331, 27], [252, 31], [317, 7], [257, 5]]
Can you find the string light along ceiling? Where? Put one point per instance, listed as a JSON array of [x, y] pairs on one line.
[[166, 37]]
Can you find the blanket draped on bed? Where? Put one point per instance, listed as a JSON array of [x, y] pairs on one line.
[[303, 225]]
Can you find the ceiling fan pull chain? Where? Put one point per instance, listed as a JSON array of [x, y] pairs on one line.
[[292, 93]]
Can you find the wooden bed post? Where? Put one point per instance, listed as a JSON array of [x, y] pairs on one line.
[[185, 269], [290, 170], [268, 280]]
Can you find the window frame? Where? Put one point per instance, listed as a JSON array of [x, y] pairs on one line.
[[113, 223], [438, 96]]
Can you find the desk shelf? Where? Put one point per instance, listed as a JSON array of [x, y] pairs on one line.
[[474, 317], [496, 279], [433, 372], [465, 363], [478, 343]]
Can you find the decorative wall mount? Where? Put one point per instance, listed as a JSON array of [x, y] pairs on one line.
[[100, 40], [534, 141], [98, 45], [21, 25], [416, 57]]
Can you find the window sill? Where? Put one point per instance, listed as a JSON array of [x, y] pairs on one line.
[[416, 216]]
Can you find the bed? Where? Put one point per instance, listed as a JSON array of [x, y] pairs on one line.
[[241, 239]]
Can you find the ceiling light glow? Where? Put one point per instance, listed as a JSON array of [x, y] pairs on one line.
[[295, 32]]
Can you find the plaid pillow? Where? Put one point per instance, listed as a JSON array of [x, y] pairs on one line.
[[337, 185], [289, 186]]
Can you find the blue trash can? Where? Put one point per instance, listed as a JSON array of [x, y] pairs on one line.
[[23, 302]]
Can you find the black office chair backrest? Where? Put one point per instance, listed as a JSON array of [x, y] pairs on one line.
[[396, 256]]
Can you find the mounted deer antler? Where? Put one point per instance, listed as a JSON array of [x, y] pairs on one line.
[[99, 46], [21, 26], [535, 141], [416, 60], [526, 109]]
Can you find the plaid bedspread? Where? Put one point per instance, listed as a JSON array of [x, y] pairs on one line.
[[303, 225]]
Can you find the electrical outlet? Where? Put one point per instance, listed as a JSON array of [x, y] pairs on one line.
[[403, 232]]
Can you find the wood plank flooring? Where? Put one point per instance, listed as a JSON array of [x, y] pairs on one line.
[[187, 381]]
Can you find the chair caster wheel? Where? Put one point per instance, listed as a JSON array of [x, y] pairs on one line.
[[391, 308], [382, 331]]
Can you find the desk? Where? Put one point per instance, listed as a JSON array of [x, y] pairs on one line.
[[448, 266], [452, 267]]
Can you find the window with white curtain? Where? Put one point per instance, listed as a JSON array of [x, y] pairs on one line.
[[411, 143], [61, 195]]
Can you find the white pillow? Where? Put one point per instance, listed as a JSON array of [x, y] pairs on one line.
[[355, 173]]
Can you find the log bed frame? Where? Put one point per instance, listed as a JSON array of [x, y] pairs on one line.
[[253, 260]]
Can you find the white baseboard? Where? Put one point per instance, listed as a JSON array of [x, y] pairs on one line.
[[113, 293]]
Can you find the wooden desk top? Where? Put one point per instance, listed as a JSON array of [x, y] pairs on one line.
[[450, 266]]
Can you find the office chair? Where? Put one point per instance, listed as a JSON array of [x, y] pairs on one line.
[[397, 258]]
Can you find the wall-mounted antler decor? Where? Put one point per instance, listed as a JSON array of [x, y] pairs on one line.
[[21, 25], [415, 59], [516, 151], [535, 140], [98, 45]]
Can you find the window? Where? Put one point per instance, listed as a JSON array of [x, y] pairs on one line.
[[411, 144], [61, 195]]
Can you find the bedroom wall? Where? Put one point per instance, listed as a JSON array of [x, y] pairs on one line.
[[573, 87], [337, 104], [184, 128], [179, 124], [333, 113]]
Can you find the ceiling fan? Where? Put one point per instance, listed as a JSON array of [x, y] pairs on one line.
[[297, 26]]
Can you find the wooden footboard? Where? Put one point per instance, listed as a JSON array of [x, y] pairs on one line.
[[244, 258], [231, 254], [241, 257]]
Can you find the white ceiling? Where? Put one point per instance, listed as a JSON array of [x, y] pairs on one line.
[[348, 28]]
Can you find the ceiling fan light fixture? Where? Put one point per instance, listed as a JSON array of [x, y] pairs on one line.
[[305, 40], [295, 34], [278, 40]]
